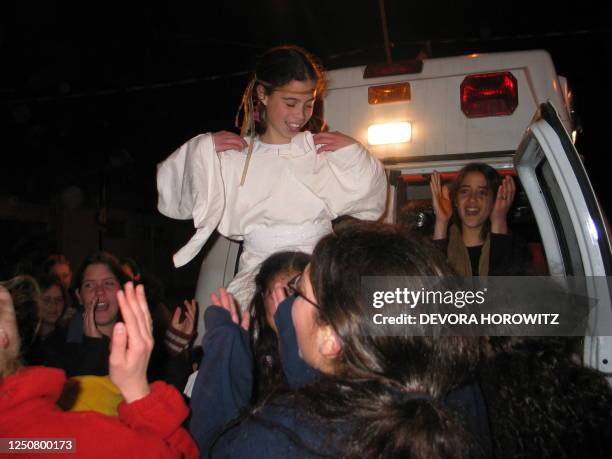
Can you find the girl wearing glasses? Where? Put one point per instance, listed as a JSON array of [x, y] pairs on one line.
[[271, 186], [376, 396]]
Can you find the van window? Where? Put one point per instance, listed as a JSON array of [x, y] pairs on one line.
[[568, 243]]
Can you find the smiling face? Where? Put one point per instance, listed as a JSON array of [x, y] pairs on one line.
[[288, 109], [51, 305], [474, 200], [99, 288]]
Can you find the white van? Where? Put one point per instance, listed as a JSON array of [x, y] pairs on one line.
[[439, 114]]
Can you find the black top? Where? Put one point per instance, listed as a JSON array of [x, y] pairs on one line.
[[474, 253], [508, 255]]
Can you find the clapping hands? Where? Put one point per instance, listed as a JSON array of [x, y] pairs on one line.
[[132, 344]]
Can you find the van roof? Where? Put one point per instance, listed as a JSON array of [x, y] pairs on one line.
[[452, 66], [432, 105]]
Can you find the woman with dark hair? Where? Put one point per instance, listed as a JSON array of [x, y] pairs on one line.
[[51, 304], [149, 419], [403, 394], [51, 335], [478, 241], [96, 285], [542, 402], [270, 186], [86, 349], [59, 266], [274, 273]]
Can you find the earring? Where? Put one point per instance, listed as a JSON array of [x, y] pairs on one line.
[[260, 110]]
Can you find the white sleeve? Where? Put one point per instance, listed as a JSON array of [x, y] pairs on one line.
[[361, 182], [190, 185]]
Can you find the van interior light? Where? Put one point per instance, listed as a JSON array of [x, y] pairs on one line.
[[388, 133]]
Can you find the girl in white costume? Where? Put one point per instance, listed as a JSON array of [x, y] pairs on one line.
[[271, 187]]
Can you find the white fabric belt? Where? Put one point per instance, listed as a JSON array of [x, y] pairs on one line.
[[264, 241]]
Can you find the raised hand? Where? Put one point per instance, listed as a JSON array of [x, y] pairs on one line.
[[225, 140], [187, 326], [89, 320], [503, 202], [442, 205], [278, 293], [132, 344], [226, 300], [332, 141]]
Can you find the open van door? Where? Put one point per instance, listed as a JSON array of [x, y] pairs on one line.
[[572, 225]]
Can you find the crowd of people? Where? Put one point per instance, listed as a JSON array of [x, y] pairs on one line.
[[290, 364]]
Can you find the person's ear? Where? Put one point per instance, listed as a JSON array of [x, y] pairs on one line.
[[4, 339], [261, 94], [329, 343]]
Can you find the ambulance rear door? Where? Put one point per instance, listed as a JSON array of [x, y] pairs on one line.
[[572, 224]]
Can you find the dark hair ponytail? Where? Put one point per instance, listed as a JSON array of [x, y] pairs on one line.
[[406, 424], [390, 389]]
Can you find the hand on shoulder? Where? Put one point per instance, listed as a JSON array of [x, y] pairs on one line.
[[332, 141], [225, 140]]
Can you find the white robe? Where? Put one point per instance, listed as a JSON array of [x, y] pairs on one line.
[[290, 196]]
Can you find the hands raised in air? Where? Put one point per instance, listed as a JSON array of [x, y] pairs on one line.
[[503, 202], [442, 205], [226, 300], [132, 344]]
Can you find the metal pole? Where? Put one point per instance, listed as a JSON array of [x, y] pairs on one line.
[[383, 17]]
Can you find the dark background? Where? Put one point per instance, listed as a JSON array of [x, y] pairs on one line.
[[93, 95]]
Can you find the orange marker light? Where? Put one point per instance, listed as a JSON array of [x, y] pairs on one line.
[[396, 92]]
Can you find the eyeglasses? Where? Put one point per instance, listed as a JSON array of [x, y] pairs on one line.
[[293, 284]]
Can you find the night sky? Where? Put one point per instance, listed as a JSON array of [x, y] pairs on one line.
[[100, 92]]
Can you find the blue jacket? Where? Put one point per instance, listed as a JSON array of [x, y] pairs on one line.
[[222, 393]]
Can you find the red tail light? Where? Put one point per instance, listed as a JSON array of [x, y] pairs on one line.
[[489, 94]]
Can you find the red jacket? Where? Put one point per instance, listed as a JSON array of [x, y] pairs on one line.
[[149, 427]]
